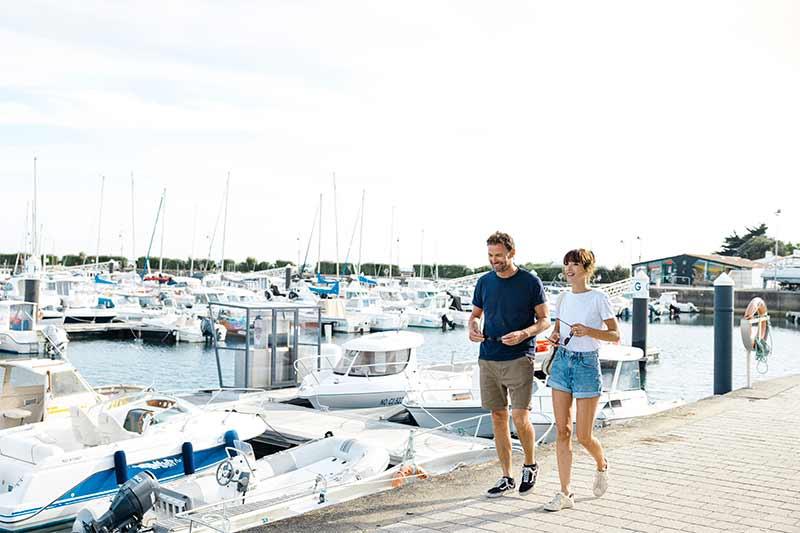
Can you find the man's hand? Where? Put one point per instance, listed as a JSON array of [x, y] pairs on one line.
[[475, 334], [514, 338], [554, 337]]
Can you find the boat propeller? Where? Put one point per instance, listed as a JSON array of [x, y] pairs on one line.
[[135, 497]]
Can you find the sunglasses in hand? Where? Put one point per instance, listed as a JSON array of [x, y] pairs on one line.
[[569, 337]]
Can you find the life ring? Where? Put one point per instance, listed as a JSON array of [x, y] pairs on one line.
[[757, 308]]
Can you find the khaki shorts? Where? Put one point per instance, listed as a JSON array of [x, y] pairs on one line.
[[499, 378]]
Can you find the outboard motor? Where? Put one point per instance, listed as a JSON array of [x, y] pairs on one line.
[[133, 500], [56, 340]]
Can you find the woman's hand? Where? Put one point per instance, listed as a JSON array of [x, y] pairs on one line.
[[579, 330]]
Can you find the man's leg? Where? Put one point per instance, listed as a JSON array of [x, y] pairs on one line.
[[526, 433], [502, 439]]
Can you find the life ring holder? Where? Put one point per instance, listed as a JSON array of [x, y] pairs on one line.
[[756, 334]]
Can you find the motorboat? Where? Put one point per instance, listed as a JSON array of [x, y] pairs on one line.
[[335, 312], [39, 389], [274, 484], [668, 300], [20, 332], [53, 469], [378, 318], [375, 370], [431, 312], [460, 408]]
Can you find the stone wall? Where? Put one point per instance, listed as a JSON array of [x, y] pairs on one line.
[[778, 302]]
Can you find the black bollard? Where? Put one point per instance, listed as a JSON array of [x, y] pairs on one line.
[[288, 278], [641, 300], [723, 334]]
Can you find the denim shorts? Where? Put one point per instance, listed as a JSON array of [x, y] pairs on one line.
[[577, 373]]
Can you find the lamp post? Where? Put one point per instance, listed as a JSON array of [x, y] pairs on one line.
[[638, 238], [775, 258]]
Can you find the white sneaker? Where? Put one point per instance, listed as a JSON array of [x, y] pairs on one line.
[[600, 482], [560, 501]]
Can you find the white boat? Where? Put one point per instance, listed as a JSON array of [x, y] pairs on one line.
[[429, 313], [375, 370], [460, 408], [275, 484], [184, 327], [20, 332], [379, 319], [669, 300], [335, 312], [39, 389], [53, 469]]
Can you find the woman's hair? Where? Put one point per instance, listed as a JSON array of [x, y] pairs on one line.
[[582, 257], [498, 237]]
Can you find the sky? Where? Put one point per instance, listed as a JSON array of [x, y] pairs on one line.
[[630, 127]]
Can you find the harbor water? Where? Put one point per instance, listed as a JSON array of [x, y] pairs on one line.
[[685, 370]]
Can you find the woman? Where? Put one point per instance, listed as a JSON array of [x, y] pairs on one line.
[[584, 317]]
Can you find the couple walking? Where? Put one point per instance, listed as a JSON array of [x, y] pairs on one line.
[[514, 309]]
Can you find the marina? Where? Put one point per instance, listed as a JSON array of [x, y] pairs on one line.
[[425, 267], [408, 394]]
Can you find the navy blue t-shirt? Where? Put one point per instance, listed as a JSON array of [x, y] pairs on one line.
[[508, 305]]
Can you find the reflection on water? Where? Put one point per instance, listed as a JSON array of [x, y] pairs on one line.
[[685, 370]]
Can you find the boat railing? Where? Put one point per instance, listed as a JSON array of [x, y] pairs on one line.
[[331, 367], [221, 516], [448, 426]]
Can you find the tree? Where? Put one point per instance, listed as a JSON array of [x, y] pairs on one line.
[[732, 245]]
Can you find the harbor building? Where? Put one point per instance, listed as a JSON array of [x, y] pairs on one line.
[[700, 270]]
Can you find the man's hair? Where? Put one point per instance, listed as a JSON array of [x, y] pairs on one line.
[[582, 257], [498, 237]]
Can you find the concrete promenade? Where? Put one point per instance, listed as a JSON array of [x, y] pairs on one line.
[[729, 463]]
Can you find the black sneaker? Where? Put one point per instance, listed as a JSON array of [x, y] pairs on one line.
[[503, 485], [529, 473]]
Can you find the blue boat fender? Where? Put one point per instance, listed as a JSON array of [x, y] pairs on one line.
[[231, 436], [120, 467], [187, 453]]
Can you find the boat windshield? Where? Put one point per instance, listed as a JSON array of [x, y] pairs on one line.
[[629, 378], [66, 384], [607, 369], [370, 364]]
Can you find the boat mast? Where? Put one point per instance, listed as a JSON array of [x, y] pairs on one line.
[[421, 252], [319, 238], [100, 220], [361, 231], [194, 234], [35, 201], [153, 234], [336, 223], [391, 243], [225, 221], [163, 223], [133, 225]]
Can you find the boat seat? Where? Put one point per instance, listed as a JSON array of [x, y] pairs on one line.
[[27, 449], [84, 428], [110, 430]]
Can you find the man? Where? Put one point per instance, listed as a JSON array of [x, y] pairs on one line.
[[514, 307]]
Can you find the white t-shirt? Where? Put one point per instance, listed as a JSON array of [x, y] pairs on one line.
[[589, 308]]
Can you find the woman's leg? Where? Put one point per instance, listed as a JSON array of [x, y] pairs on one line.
[[562, 409], [587, 410]]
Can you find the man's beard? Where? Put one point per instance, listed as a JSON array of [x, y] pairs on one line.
[[501, 267]]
